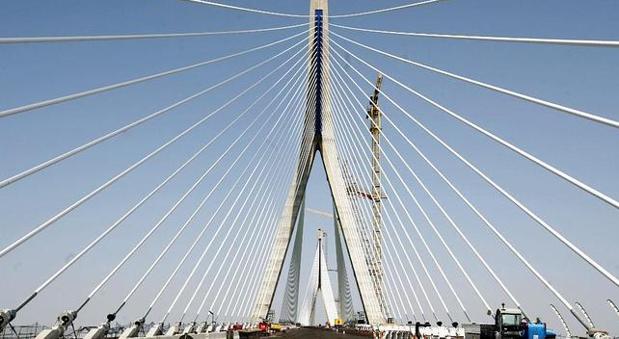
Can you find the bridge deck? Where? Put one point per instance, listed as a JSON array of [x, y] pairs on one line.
[[307, 332]]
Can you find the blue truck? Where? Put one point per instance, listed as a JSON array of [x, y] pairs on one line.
[[509, 323]]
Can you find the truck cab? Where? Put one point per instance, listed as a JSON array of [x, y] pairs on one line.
[[510, 323]]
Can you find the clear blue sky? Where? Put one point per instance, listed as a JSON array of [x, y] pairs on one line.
[[584, 78]]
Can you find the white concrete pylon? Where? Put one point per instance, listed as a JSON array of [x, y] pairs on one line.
[[319, 136], [319, 283]]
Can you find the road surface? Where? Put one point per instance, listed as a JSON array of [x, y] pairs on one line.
[[317, 333]]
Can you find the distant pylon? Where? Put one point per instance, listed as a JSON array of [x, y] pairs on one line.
[[319, 136], [318, 283]]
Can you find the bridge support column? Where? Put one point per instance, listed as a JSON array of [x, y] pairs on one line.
[[319, 135], [345, 307], [291, 295]]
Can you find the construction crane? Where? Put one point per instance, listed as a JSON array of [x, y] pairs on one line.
[[375, 194], [375, 116]]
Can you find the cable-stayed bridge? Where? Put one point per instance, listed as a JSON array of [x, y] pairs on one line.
[[226, 238]]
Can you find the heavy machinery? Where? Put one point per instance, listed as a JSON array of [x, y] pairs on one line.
[[509, 323], [264, 326]]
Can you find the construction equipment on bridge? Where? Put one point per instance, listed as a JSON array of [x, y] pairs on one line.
[[373, 247], [509, 323], [375, 116]]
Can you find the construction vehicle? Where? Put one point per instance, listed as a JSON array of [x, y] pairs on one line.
[[277, 327], [264, 326], [509, 323]]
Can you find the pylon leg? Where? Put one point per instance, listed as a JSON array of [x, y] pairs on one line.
[[345, 308], [284, 231], [290, 302]]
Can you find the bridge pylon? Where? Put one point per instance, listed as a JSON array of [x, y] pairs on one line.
[[319, 137], [319, 283]]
